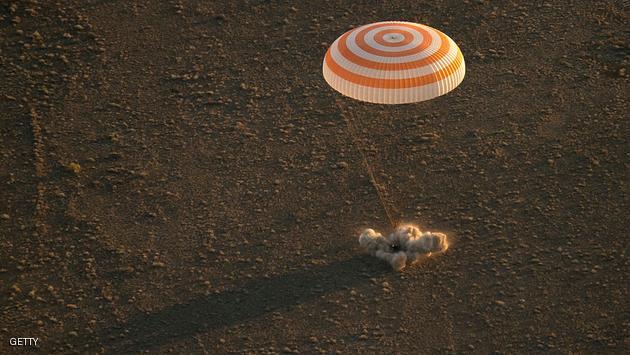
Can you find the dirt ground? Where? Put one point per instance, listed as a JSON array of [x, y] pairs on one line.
[[176, 176]]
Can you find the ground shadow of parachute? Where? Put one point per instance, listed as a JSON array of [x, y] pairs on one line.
[[254, 299]]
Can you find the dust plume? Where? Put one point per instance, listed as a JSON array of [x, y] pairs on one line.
[[406, 245]]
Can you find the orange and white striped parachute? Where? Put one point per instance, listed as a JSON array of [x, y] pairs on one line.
[[394, 62]]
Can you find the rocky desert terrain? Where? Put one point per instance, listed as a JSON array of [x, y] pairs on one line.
[[177, 177]]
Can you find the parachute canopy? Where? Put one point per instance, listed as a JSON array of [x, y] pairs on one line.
[[394, 62]]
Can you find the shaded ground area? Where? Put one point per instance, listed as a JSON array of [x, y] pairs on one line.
[[177, 176]]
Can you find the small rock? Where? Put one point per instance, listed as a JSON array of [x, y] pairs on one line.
[[125, 269], [74, 167], [429, 137]]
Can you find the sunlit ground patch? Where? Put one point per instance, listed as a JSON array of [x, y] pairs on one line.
[[406, 245]]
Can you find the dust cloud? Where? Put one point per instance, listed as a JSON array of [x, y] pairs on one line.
[[406, 245]]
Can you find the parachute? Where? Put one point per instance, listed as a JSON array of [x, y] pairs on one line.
[[394, 62]]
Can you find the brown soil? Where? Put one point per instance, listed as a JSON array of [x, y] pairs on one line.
[[176, 175]]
